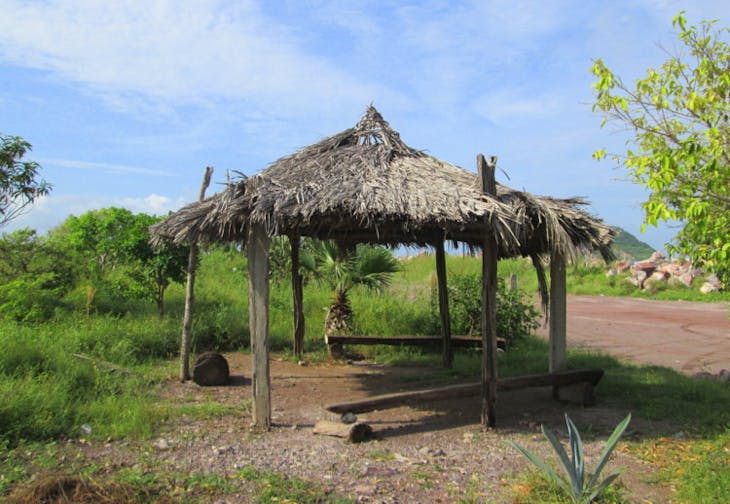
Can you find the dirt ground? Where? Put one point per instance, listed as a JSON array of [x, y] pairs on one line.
[[687, 336], [434, 452]]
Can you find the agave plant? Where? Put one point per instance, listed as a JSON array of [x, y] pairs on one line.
[[575, 484]]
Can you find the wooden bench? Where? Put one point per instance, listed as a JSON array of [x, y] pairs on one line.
[[456, 341], [587, 378]]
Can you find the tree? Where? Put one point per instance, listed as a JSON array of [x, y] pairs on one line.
[[116, 240], [19, 185], [341, 270], [35, 275], [679, 120]]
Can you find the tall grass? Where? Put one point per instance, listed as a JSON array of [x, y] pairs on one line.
[[46, 392]]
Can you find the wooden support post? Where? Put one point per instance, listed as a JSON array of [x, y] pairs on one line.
[[446, 352], [557, 328], [190, 292], [258, 316], [297, 295], [489, 301]]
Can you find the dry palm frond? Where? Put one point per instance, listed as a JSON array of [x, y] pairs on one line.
[[366, 185]]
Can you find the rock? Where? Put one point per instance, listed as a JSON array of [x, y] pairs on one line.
[[348, 418], [161, 444], [724, 375], [686, 279], [712, 278], [707, 287], [211, 368], [621, 266], [611, 272], [659, 276], [646, 266], [657, 257]]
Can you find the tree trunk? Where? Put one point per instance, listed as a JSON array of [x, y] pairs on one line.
[[297, 295], [189, 293]]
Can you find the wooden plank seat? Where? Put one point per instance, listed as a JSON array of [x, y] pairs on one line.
[[587, 378], [456, 341]]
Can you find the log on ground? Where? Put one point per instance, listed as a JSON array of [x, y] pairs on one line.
[[355, 432], [557, 379]]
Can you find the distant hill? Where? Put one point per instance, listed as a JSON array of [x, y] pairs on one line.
[[627, 244]]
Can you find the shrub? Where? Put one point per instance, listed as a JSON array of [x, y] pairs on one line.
[[516, 316], [30, 299]]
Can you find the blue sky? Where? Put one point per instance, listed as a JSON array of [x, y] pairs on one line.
[[126, 102]]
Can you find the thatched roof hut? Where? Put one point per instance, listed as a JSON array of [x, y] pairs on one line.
[[366, 185], [361, 185]]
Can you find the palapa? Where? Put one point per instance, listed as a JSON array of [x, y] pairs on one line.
[[366, 185]]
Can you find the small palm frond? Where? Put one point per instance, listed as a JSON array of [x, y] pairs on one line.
[[374, 267]]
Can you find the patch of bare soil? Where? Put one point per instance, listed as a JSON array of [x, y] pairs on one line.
[[689, 337], [432, 452]]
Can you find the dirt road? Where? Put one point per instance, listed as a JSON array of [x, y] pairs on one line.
[[686, 336]]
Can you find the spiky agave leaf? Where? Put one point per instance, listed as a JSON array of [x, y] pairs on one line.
[[608, 449], [577, 460], [575, 486], [546, 469]]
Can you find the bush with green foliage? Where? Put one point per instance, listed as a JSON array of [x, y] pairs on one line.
[[34, 276], [516, 315]]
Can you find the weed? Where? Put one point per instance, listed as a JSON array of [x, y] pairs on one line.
[[273, 487]]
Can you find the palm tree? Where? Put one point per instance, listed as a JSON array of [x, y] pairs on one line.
[[342, 269]]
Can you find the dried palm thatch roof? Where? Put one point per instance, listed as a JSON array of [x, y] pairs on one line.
[[366, 185]]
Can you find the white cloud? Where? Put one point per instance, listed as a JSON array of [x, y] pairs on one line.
[[50, 211], [107, 167], [190, 52], [508, 106]]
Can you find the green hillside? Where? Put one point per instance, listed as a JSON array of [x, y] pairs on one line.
[[627, 244]]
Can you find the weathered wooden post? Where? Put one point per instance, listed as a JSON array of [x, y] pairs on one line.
[[297, 295], [258, 321], [489, 301], [190, 292], [446, 350], [557, 327]]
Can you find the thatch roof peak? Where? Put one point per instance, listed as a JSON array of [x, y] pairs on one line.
[[372, 129]]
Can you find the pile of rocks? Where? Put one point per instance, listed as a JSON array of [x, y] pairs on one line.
[[657, 269]]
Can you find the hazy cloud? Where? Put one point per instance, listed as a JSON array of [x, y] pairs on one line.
[[50, 211], [192, 52], [107, 167]]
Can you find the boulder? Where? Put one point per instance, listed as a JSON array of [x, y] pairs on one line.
[[621, 266], [686, 279], [707, 287], [657, 257], [211, 368], [645, 266]]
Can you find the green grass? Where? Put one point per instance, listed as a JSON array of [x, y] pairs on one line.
[[532, 488], [274, 487], [46, 393]]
